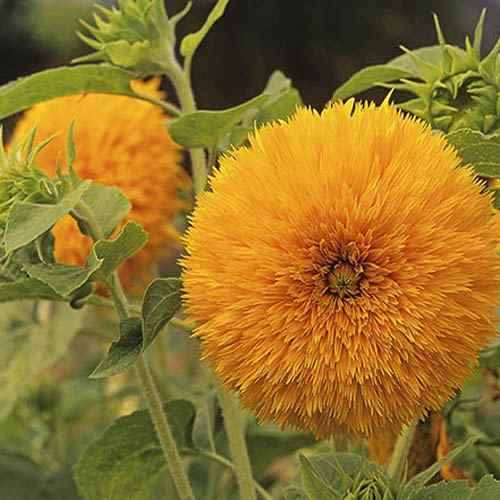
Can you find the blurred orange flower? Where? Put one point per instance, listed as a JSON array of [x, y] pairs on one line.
[[122, 142]]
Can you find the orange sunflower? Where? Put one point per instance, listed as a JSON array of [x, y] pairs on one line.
[[120, 142], [342, 270]]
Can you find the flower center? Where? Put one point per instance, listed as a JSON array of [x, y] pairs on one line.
[[344, 279]]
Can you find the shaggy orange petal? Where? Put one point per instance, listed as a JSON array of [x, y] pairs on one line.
[[120, 142], [342, 270]]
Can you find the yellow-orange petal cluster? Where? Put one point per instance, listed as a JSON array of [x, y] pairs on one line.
[[122, 142], [343, 270]]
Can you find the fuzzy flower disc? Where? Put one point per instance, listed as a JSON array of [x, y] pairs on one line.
[[342, 270], [122, 142]]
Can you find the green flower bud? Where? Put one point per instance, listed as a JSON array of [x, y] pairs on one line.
[[138, 35], [460, 90], [21, 180]]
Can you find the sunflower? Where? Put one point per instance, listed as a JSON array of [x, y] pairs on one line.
[[342, 270], [120, 142]]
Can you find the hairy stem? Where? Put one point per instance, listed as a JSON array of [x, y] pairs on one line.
[[235, 430], [150, 391], [182, 84], [165, 436], [396, 466]]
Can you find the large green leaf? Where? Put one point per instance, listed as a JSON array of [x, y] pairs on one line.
[[27, 289], [63, 279], [488, 488], [480, 151], [31, 345], [367, 78], [109, 206], [314, 484], [283, 100], [267, 445], [28, 221], [98, 78], [445, 490], [282, 103], [126, 460], [106, 256], [204, 129], [403, 66]]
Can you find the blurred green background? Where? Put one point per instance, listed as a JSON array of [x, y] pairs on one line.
[[318, 43]]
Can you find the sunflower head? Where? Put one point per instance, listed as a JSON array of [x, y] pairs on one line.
[[342, 270], [460, 90], [136, 35]]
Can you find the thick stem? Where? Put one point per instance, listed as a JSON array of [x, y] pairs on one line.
[[235, 430], [167, 441], [182, 84], [396, 466]]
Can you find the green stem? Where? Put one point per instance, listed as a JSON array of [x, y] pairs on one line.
[[235, 430], [216, 458], [150, 391], [165, 436], [396, 466], [182, 84]]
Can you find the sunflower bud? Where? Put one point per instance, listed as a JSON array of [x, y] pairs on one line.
[[460, 90], [20, 179], [137, 35]]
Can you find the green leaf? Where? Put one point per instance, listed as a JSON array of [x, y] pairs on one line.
[[63, 279], [109, 205], [33, 339], [112, 253], [283, 100], [445, 490], [28, 221], [480, 151], [487, 488], [403, 66], [161, 301], [204, 423], [367, 78], [23, 479], [204, 129], [191, 42], [294, 493], [126, 460], [420, 480], [20, 477], [431, 55], [27, 289], [98, 78], [265, 446], [314, 484], [123, 353]]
